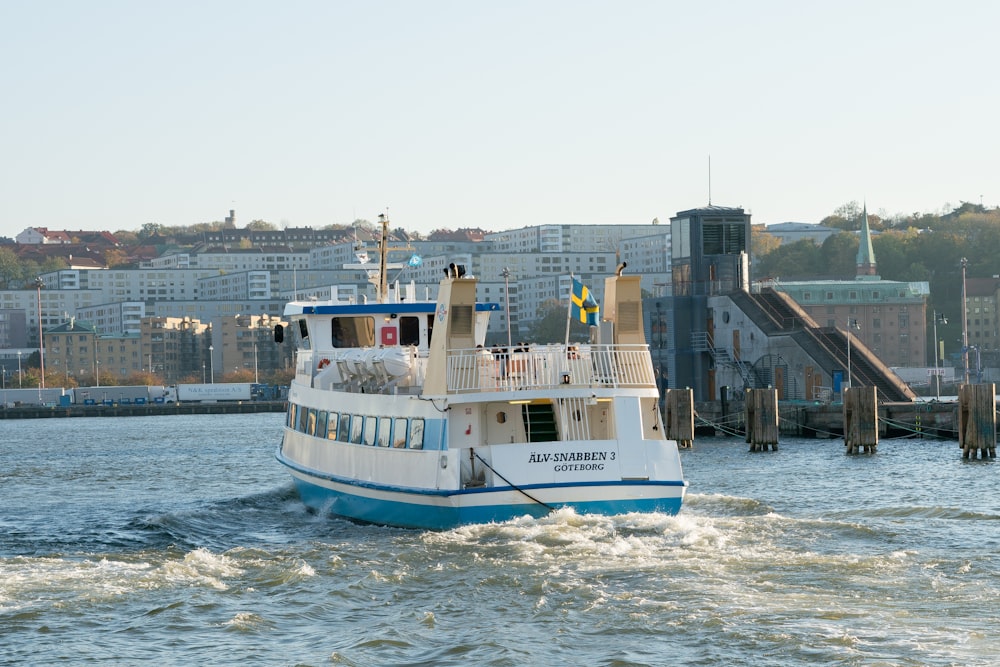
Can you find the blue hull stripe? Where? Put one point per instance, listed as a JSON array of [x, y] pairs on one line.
[[410, 515]]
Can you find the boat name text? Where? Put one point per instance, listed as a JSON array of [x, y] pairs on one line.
[[578, 460]]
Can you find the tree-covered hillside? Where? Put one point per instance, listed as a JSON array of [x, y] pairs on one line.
[[920, 247]]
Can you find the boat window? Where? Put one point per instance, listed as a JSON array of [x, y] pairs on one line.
[[416, 434], [357, 426], [331, 427], [430, 328], [369, 434], [303, 330], [321, 418], [409, 330], [311, 423], [384, 431], [303, 420], [399, 434], [290, 417], [353, 331], [344, 428]]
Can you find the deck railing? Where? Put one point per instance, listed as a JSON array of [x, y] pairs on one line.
[[548, 366]]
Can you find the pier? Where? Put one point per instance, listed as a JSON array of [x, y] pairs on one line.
[[826, 420], [141, 410]]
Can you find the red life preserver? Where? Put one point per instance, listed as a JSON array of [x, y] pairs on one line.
[[323, 363]]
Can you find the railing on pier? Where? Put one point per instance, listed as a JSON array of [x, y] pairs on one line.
[[549, 366]]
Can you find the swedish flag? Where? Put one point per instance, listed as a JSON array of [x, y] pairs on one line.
[[584, 307]]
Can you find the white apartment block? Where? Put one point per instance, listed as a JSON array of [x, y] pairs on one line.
[[252, 285], [131, 284], [569, 238], [57, 306], [252, 260], [119, 317]]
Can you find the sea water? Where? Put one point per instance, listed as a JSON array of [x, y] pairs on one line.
[[179, 540]]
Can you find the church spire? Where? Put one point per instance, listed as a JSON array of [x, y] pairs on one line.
[[866, 254]]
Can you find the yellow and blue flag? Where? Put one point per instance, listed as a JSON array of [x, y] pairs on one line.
[[584, 307]]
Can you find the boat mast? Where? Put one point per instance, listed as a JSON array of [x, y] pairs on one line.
[[383, 252], [379, 277]]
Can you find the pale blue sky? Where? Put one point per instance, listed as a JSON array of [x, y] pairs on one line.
[[490, 114]]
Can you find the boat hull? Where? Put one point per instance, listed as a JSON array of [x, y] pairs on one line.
[[442, 510]]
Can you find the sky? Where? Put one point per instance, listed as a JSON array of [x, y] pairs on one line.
[[496, 115]]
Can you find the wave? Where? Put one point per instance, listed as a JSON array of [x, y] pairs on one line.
[[218, 525], [922, 512]]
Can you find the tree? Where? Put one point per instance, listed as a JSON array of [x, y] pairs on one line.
[[261, 226], [115, 257], [10, 267], [801, 259], [239, 375], [150, 229], [127, 238], [762, 243], [846, 217], [839, 254], [550, 326], [53, 264]]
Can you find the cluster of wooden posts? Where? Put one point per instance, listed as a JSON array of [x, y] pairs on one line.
[[977, 419]]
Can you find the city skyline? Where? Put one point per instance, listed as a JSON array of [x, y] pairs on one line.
[[504, 116]]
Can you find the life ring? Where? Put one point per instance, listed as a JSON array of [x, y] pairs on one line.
[[323, 363]]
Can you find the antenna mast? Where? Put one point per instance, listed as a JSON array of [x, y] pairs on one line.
[[709, 180]]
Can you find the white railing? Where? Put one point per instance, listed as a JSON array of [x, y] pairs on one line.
[[549, 366]]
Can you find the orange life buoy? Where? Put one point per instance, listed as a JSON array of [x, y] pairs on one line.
[[323, 363]]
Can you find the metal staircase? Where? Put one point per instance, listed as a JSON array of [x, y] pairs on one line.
[[775, 313], [701, 341]]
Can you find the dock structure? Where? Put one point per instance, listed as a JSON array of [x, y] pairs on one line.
[[762, 419], [861, 420], [144, 410], [977, 420], [679, 416]]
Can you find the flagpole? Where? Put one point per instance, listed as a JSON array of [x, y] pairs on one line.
[[569, 310]]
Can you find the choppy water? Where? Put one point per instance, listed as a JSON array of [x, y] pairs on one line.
[[179, 540]]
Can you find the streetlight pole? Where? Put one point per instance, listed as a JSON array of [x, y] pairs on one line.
[[211, 359], [19, 369], [851, 324], [255, 377], [41, 342], [937, 374], [965, 328], [506, 286]]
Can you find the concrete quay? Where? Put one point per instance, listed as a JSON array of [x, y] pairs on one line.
[[148, 409]]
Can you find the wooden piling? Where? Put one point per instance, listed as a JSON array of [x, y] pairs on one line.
[[679, 416], [977, 420], [861, 419], [761, 412]]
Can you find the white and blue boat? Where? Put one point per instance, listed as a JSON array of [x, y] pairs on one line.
[[398, 415]]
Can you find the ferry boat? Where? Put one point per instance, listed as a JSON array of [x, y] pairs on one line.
[[400, 415]]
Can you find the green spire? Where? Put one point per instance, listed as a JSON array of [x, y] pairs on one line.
[[866, 254]]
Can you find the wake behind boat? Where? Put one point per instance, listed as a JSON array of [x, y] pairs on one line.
[[399, 415]]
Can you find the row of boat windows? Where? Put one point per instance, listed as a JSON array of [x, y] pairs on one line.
[[359, 331], [398, 432]]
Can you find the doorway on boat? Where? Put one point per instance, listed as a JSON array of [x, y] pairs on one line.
[[539, 422]]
